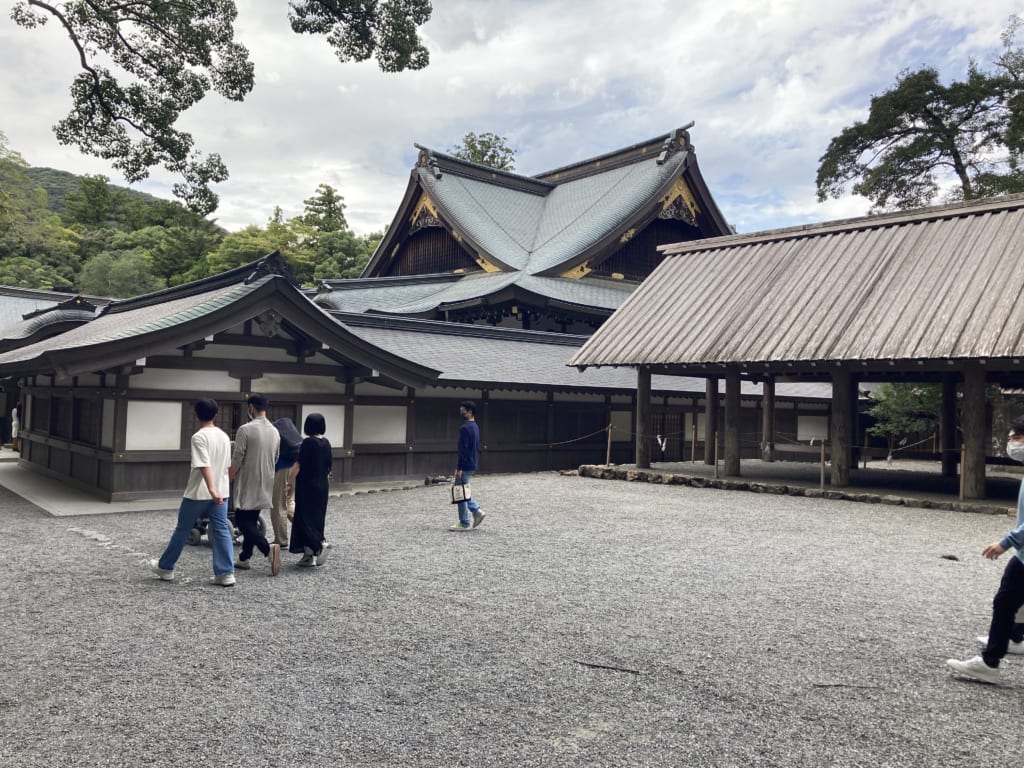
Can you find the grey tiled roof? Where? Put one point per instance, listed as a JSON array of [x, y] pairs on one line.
[[422, 297], [15, 303], [151, 317], [524, 359], [533, 233]]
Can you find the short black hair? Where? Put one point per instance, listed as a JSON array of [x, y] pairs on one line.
[[259, 402], [315, 424], [469, 405], [206, 409], [1017, 426]]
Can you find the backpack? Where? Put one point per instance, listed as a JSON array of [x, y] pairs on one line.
[[291, 440]]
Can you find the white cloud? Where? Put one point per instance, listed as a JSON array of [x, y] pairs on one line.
[[768, 86]]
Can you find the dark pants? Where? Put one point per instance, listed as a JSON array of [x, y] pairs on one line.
[[1008, 600], [246, 520]]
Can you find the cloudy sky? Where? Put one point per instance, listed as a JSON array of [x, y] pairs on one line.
[[768, 85]]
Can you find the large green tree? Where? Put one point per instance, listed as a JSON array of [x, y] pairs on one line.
[[143, 63], [920, 135], [923, 136], [488, 149]]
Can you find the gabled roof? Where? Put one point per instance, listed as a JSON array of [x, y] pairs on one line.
[[126, 331], [16, 304], [549, 223], [927, 287]]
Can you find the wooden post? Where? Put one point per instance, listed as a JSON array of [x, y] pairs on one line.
[[963, 449], [643, 406], [710, 420], [947, 426], [768, 420], [841, 427], [821, 465], [716, 455], [732, 422], [973, 420]]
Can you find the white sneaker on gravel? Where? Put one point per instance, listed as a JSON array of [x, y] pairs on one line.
[[325, 551], [1017, 648], [976, 669], [223, 580], [306, 561], [165, 575]]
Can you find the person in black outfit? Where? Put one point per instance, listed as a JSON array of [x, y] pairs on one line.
[[309, 478]]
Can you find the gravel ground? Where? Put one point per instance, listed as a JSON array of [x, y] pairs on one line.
[[585, 623]]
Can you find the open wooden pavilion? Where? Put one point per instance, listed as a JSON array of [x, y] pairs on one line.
[[931, 295]]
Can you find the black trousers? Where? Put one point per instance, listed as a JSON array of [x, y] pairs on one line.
[[247, 522], [1008, 600]]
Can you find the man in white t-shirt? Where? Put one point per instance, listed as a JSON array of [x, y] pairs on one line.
[[207, 492]]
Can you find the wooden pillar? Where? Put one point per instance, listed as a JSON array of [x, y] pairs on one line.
[[842, 422], [710, 419], [973, 421], [643, 408], [949, 444], [732, 423], [768, 420]]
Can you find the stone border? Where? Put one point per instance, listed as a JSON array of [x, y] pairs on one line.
[[601, 472]]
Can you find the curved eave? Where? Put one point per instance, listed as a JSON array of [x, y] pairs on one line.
[[275, 294], [398, 228]]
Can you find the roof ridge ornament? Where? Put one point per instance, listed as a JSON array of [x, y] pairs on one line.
[[272, 264], [677, 140], [427, 160]]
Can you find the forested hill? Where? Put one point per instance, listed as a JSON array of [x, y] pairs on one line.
[[59, 184], [63, 232]]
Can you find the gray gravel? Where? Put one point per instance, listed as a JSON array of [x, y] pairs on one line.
[[586, 622]]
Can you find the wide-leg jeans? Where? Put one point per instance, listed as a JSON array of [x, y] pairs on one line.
[[220, 536], [466, 507]]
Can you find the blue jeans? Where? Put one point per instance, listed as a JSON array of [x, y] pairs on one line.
[[466, 507], [220, 537]]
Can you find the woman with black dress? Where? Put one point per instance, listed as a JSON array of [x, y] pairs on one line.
[[309, 478]]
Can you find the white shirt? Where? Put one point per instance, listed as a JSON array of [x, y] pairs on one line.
[[211, 447]]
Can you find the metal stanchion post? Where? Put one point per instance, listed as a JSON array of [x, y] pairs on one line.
[[716, 455], [693, 443], [608, 455], [823, 465]]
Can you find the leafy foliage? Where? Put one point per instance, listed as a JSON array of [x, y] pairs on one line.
[[919, 134], [486, 149], [905, 411], [169, 55]]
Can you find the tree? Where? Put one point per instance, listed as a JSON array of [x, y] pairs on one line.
[[95, 202], [486, 149], [921, 134], [119, 275], [325, 210], [171, 54], [905, 411]]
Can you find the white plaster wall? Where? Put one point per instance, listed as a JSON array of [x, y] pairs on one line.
[[379, 424], [199, 382], [233, 352], [153, 426], [811, 427], [334, 415], [276, 383], [369, 388], [622, 426]]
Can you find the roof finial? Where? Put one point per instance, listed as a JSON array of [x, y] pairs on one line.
[[678, 139]]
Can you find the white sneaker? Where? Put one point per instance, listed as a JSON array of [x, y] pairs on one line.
[[307, 561], [243, 565], [165, 575], [325, 551], [1017, 648], [224, 580], [976, 669]]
